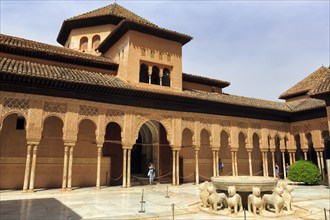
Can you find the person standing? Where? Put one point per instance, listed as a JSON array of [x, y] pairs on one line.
[[277, 170], [151, 173], [287, 169], [220, 166]]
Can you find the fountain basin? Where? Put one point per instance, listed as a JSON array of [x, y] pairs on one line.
[[244, 183]]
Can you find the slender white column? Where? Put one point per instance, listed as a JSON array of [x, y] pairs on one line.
[[128, 167], [98, 168], [173, 167], [283, 163], [273, 163], [33, 168], [124, 167], [263, 164], [318, 161], [236, 165], [177, 168], [214, 163], [305, 155], [196, 167], [233, 163], [250, 164], [217, 163], [70, 167], [65, 168], [322, 163], [266, 158], [291, 160], [27, 168], [294, 157]]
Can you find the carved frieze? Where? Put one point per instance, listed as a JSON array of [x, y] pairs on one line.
[[15, 104]]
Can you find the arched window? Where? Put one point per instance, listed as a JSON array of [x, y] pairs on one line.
[[166, 80], [144, 77], [155, 75], [83, 44], [96, 41]]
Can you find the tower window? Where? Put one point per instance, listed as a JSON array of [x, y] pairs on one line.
[[155, 75], [166, 80], [144, 77], [83, 44], [96, 41]]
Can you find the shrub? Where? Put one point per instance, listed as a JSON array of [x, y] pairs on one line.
[[304, 171]]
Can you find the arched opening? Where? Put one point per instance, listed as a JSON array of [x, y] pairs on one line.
[[299, 151], [242, 156], [13, 148], [49, 168], [269, 158], [155, 75], [166, 81], [188, 157], [112, 150], [224, 154], [205, 157], [256, 156], [96, 41], [83, 46], [326, 138], [311, 153], [151, 146], [278, 156], [84, 174], [144, 77]]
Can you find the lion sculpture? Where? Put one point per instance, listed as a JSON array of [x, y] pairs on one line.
[[255, 201], [216, 199], [274, 199], [234, 200], [204, 195]]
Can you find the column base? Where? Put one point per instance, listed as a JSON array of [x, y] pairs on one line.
[[31, 191], [97, 188], [24, 191]]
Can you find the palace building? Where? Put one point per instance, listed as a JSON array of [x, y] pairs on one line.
[[96, 111]]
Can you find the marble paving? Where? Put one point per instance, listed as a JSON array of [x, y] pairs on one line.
[[119, 203]]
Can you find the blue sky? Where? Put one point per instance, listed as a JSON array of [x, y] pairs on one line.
[[261, 47]]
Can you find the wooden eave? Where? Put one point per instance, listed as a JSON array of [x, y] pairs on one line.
[[126, 25], [203, 80], [57, 57], [146, 99], [68, 25]]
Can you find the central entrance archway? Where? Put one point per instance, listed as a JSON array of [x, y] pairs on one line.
[[152, 146]]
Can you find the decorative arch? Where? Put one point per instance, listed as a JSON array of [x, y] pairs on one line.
[[224, 152], [242, 154], [83, 45], [155, 76], [96, 40], [187, 155], [166, 79], [256, 155], [144, 76], [205, 155]]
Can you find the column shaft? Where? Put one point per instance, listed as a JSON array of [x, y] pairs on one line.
[[263, 164], [196, 167], [98, 168], [283, 164], [124, 167], [322, 163], [233, 163], [250, 164], [128, 167], [305, 155], [177, 168], [65, 168], [213, 159], [33, 168], [70, 167], [217, 163], [291, 160], [294, 157], [173, 167], [27, 168], [273, 163], [318, 160], [236, 164]]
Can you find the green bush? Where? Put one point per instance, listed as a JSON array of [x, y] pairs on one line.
[[304, 171]]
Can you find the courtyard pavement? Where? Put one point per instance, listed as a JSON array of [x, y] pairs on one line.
[[115, 202]]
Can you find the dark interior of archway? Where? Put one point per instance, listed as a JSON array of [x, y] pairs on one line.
[[141, 156], [112, 148], [327, 154], [299, 152]]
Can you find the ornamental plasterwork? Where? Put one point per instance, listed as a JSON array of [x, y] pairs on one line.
[[324, 126], [225, 123], [306, 128], [88, 112], [206, 124], [255, 126], [188, 122], [116, 116], [242, 125], [17, 105], [57, 108], [296, 129], [277, 127]]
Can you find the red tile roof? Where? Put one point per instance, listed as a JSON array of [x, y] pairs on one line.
[[311, 83]]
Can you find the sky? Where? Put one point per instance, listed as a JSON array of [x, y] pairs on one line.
[[261, 47]]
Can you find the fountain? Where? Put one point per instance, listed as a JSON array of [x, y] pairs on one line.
[[244, 184]]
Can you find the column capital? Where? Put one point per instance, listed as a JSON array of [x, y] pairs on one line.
[[32, 142], [174, 147]]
